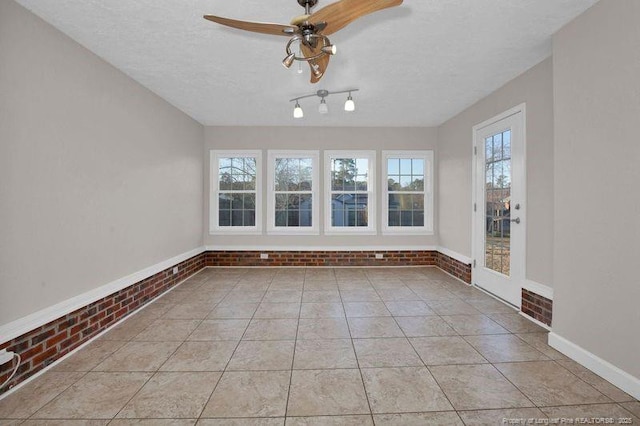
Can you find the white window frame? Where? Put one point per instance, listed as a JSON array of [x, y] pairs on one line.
[[214, 168], [427, 229], [371, 229], [272, 229]]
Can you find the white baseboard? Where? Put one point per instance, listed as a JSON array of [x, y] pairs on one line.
[[37, 319], [535, 321], [539, 289], [605, 369], [455, 255], [320, 248]]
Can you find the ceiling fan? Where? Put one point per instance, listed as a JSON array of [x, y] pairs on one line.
[[311, 29]]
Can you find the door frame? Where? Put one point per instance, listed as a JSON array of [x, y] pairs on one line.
[[521, 108]]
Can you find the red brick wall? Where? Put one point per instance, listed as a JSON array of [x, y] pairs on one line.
[[42, 346], [537, 307], [456, 268], [321, 258]]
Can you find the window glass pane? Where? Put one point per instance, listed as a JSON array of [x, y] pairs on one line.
[[417, 166], [237, 218], [293, 182], [306, 174], [405, 166], [506, 147], [405, 183], [361, 183], [418, 218], [306, 205], [224, 218], [237, 182], [249, 201], [417, 184], [236, 209], [341, 172], [282, 200], [349, 174], [225, 178], [497, 146], [349, 210], [293, 210], [406, 210], [293, 218], [393, 166], [394, 218], [393, 183], [224, 202]]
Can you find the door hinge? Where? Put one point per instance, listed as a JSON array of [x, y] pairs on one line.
[[475, 150], [474, 263], [475, 207]]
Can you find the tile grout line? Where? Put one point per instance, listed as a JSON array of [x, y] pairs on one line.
[[353, 347], [293, 358]]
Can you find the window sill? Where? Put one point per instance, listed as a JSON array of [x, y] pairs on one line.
[[407, 231], [333, 232], [235, 232], [293, 232]]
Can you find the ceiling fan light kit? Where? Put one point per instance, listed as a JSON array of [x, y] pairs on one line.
[[311, 29], [323, 108]]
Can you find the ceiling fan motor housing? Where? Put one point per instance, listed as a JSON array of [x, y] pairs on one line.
[[305, 3]]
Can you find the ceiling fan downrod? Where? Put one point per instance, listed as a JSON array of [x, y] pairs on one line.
[[307, 4]]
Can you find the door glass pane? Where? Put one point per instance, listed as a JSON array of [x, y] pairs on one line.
[[498, 202]]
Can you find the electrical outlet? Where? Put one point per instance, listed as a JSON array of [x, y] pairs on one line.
[[6, 357], [379, 256], [264, 255], [175, 270]]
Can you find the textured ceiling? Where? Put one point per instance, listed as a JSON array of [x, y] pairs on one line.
[[415, 65]]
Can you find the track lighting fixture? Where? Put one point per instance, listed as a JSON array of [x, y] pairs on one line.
[[323, 108]]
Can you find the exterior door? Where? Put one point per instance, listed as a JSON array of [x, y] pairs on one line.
[[499, 206]]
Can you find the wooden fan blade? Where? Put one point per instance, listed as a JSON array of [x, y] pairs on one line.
[[341, 13], [321, 63], [256, 27]]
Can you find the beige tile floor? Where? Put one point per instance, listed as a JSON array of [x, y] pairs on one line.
[[403, 346]]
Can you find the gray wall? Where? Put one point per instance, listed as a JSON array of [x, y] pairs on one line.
[[318, 138], [535, 88], [99, 178], [597, 169]]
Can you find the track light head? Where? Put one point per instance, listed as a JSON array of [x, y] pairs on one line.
[[297, 111], [349, 105], [288, 61], [323, 108], [330, 49]]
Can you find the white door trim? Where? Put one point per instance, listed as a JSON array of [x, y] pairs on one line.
[[521, 108]]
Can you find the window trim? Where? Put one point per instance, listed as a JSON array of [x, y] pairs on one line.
[[372, 228], [272, 229], [214, 160], [427, 229]]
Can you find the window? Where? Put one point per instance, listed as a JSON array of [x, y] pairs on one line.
[[235, 192], [293, 186], [350, 187], [408, 192]]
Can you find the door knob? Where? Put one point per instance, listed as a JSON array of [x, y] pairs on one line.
[[516, 220]]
